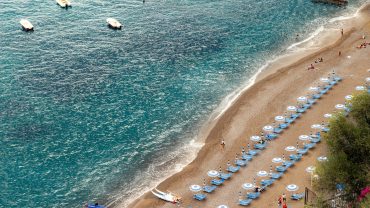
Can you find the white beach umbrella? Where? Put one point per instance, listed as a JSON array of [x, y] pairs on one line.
[[255, 138], [262, 173], [290, 148], [360, 88], [195, 188], [277, 160], [314, 89], [268, 128], [304, 137], [316, 126], [322, 158], [367, 79], [310, 169], [340, 106], [348, 97], [328, 115], [212, 173], [291, 108], [248, 186], [302, 99], [292, 187], [279, 118], [222, 206], [324, 80]]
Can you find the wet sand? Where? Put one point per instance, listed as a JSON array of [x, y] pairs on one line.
[[276, 88]]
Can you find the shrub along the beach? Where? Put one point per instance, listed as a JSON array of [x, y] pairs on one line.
[[348, 151]]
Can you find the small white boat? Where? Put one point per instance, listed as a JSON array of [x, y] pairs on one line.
[[113, 23], [64, 3], [26, 25], [170, 197]]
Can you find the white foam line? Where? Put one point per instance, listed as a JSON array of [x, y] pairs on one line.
[[314, 34]]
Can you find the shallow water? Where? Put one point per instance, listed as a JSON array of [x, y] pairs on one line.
[[88, 113]]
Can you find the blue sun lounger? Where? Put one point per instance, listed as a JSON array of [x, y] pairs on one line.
[[297, 196], [295, 157], [302, 151], [225, 176], [241, 162], [200, 197], [301, 110], [209, 189], [271, 136], [217, 182], [325, 129], [288, 164], [281, 168], [284, 125], [307, 105], [253, 195], [233, 169], [295, 115], [277, 130], [311, 101], [260, 146], [254, 152], [247, 157], [245, 202], [316, 96], [276, 175], [309, 145], [267, 182]]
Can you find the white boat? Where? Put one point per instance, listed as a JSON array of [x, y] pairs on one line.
[[26, 25], [64, 3], [113, 23], [170, 197]]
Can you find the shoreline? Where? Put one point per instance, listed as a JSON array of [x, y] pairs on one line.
[[270, 70]]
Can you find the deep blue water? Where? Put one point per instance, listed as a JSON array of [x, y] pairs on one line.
[[88, 113]]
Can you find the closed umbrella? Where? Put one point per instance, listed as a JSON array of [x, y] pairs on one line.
[[302, 99], [291, 108], [212, 173], [310, 169], [268, 128], [262, 173], [322, 158], [222, 206], [360, 88], [348, 97], [247, 186], [367, 79], [277, 160], [290, 148], [195, 188], [279, 118], [327, 115], [255, 138], [303, 137], [340, 106], [292, 187]]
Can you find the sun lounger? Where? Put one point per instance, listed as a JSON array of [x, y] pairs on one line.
[[253, 152], [245, 202], [302, 151], [315, 139], [260, 146], [253, 195], [301, 110], [281, 168], [200, 197], [284, 125], [297, 196], [233, 169], [225, 176], [217, 182], [241, 162], [309, 145], [295, 157], [276, 175], [316, 96], [288, 164], [295, 115], [277, 130], [209, 189], [247, 157], [267, 182], [271, 136], [311, 101], [338, 78], [307, 105]]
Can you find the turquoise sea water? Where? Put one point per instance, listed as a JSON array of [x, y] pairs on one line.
[[88, 113]]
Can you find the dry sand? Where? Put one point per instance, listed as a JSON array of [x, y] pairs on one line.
[[275, 89]]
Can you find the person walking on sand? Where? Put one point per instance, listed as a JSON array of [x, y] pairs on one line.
[[284, 197], [340, 53], [280, 201], [341, 31], [284, 205], [222, 144]]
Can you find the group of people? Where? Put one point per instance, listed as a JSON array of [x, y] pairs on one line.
[[316, 61], [282, 201]]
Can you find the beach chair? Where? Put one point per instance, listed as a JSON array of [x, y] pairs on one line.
[[253, 195], [281, 168], [302, 151], [284, 125], [307, 105], [225, 176], [245, 202], [217, 182], [199, 197], [294, 157], [267, 182], [277, 130], [295, 115], [301, 110], [233, 169], [271, 136], [247, 157], [316, 96], [254, 152], [309, 145], [276, 175], [209, 189], [288, 164], [297, 196], [260, 146], [338, 78], [311, 101], [241, 163]]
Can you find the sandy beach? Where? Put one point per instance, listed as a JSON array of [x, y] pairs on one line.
[[276, 87]]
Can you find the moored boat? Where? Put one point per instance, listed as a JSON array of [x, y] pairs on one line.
[[26, 25], [113, 23], [64, 3]]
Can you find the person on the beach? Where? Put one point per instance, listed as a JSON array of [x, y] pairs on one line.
[[243, 151], [340, 53], [284, 197], [257, 189], [341, 31], [284, 205], [222, 144], [280, 201], [228, 163]]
